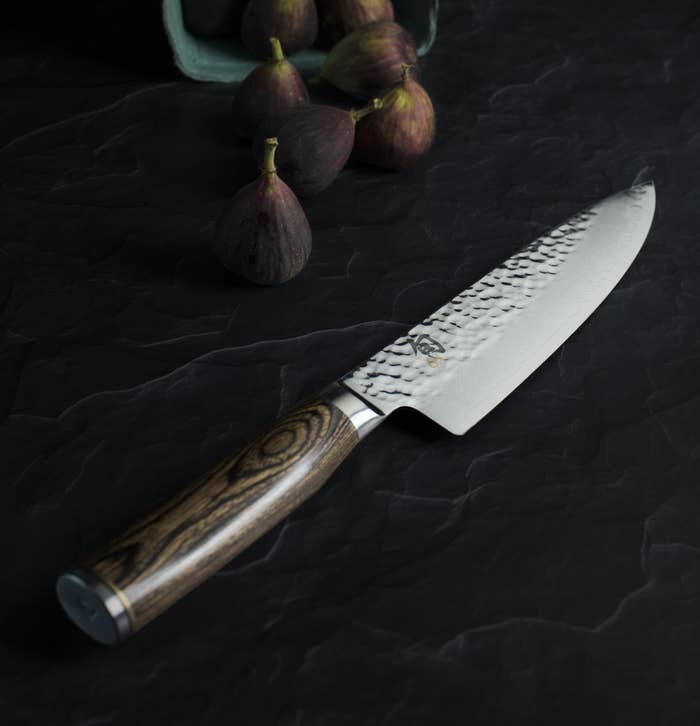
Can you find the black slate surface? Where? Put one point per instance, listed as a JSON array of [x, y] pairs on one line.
[[545, 568]]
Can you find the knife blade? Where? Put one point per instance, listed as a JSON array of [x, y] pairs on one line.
[[454, 367]]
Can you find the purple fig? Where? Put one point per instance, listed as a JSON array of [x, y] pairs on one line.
[[370, 59], [213, 17], [268, 89], [315, 144], [263, 234], [401, 131], [294, 22], [337, 18]]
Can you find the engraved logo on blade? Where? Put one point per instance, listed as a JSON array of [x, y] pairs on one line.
[[427, 346]]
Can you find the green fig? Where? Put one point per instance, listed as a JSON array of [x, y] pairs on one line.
[[268, 89], [264, 234], [294, 22], [337, 18], [213, 17], [401, 131], [369, 60], [315, 143]]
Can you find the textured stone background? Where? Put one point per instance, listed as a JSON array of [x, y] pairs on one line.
[[545, 568]]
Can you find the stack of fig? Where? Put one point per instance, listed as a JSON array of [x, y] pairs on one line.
[[294, 22], [300, 146]]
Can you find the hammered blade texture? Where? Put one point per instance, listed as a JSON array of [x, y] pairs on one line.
[[464, 359]]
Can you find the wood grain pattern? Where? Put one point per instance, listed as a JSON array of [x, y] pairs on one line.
[[165, 555]]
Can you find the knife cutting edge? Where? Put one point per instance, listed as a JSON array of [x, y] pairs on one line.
[[454, 367]]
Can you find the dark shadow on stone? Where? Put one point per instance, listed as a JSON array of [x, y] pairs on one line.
[[418, 424], [127, 36], [39, 627]]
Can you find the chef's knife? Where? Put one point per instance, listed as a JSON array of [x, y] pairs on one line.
[[454, 367]]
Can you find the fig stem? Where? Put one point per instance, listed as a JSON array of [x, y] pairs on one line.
[[277, 53], [269, 160], [406, 69], [358, 113]]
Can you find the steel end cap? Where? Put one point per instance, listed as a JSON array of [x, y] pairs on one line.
[[93, 606]]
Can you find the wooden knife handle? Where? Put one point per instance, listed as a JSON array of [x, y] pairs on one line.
[[166, 554]]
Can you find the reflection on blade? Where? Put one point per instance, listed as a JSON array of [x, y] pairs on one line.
[[469, 355]]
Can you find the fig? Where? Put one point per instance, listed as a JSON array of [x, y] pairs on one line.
[[294, 22], [268, 89], [315, 143], [263, 234], [337, 18], [370, 59], [212, 17], [401, 131]]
